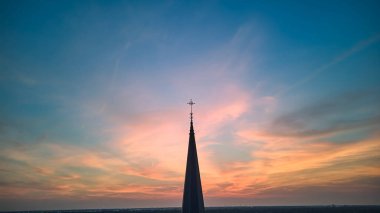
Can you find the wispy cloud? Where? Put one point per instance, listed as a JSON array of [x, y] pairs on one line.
[[361, 45], [348, 111]]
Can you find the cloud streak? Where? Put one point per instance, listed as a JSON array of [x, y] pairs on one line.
[[361, 45]]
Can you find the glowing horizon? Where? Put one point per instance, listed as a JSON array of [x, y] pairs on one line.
[[94, 110]]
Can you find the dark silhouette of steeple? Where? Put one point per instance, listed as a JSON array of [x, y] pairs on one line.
[[192, 193]]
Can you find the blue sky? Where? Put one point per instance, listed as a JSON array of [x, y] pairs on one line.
[[94, 97]]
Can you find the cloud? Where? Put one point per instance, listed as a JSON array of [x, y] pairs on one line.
[[75, 172], [299, 150], [292, 162], [332, 115]]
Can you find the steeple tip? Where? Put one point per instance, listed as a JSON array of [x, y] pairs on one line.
[[191, 103]]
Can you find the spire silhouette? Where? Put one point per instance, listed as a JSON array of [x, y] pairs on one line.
[[192, 194]]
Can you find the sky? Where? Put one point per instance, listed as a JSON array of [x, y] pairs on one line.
[[93, 107]]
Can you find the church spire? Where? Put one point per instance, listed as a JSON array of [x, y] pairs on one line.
[[192, 193]]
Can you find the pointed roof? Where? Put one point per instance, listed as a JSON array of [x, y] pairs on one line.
[[192, 193]]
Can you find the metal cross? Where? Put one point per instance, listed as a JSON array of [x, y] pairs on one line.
[[191, 103]]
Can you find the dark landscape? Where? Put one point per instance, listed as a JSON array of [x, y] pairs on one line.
[[256, 209]]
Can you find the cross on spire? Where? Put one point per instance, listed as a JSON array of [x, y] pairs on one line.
[[191, 103]]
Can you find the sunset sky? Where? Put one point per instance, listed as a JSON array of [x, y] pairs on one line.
[[93, 107]]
